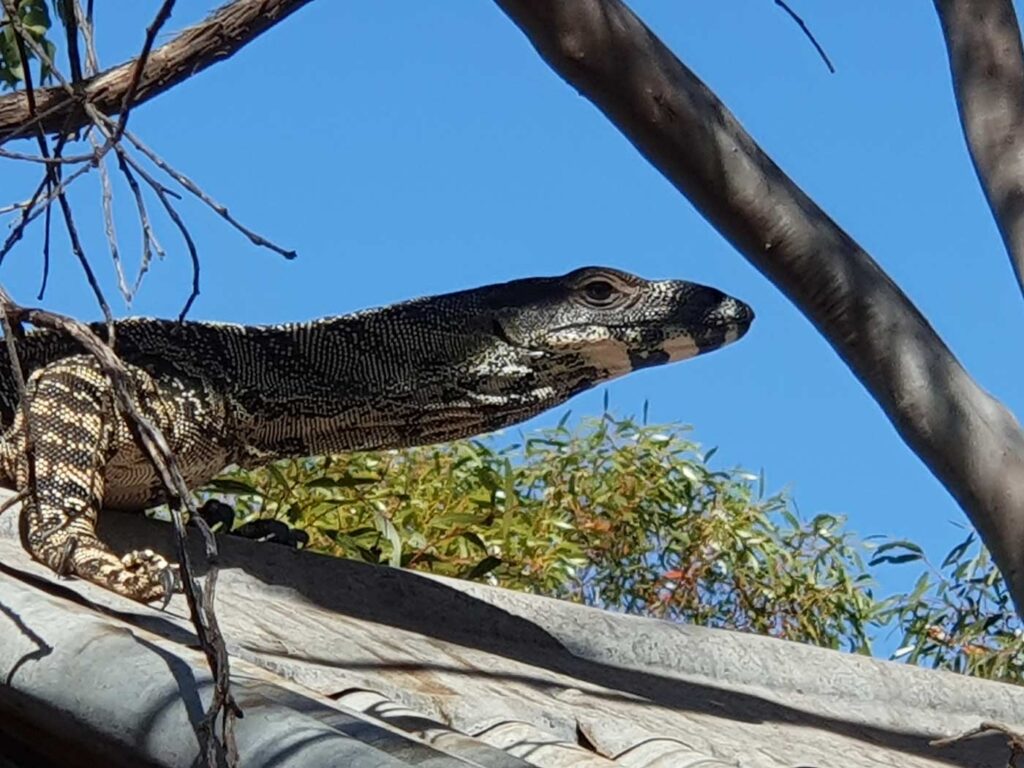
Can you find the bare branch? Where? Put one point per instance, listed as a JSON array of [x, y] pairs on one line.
[[71, 35], [155, 446], [163, 195], [217, 208], [987, 65], [84, 21], [1014, 739], [807, 32], [217, 38], [83, 261], [971, 442], [107, 206], [162, 15], [30, 212], [149, 242]]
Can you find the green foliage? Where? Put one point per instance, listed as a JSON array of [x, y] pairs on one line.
[[618, 515], [611, 514], [959, 616], [34, 18]]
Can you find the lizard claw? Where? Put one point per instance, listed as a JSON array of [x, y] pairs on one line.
[[170, 582], [146, 576]]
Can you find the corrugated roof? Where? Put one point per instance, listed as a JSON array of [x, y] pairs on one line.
[[424, 670]]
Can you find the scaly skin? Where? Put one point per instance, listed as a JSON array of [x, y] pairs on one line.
[[414, 373]]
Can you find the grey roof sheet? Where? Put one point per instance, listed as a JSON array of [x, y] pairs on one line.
[[396, 666]]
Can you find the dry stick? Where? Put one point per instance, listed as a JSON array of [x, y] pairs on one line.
[[163, 194], [203, 615], [15, 499], [76, 245], [107, 201], [97, 156], [202, 611], [149, 242], [83, 260], [28, 214], [1014, 740], [53, 173], [47, 221], [12, 207], [26, 70], [164, 462], [66, 160], [98, 119], [84, 20], [224, 32], [12, 330], [71, 35], [807, 32], [218, 208], [105, 125], [162, 15], [201, 608], [29, 211]]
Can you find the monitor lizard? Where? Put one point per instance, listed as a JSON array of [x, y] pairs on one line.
[[419, 372]]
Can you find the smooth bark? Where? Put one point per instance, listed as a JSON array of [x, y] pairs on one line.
[[987, 65], [971, 442], [216, 38]]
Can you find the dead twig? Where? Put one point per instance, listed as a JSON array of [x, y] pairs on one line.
[[15, 499], [158, 452], [810, 36], [107, 205], [194, 188], [53, 186], [162, 15], [163, 195], [225, 31], [150, 244], [1014, 739]]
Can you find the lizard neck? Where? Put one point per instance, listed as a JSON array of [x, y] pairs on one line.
[[374, 380]]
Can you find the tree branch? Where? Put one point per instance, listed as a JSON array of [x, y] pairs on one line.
[[987, 65], [971, 442], [154, 445], [217, 38]]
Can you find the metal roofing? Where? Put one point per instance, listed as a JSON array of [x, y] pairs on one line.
[[341, 663]]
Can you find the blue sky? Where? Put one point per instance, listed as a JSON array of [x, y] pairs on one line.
[[424, 148]]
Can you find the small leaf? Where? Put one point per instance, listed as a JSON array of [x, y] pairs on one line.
[[895, 559], [484, 567], [346, 481], [231, 486]]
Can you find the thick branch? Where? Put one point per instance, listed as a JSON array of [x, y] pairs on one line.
[[987, 64], [217, 38], [968, 439]]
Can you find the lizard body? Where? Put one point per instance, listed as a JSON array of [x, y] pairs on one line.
[[414, 373]]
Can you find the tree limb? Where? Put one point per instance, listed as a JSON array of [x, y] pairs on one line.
[[217, 38], [987, 65], [970, 441]]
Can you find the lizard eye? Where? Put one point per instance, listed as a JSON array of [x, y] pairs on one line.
[[600, 293]]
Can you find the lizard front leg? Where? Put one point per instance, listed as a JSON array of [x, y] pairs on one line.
[[72, 415]]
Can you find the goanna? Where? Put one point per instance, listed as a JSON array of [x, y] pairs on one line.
[[419, 372]]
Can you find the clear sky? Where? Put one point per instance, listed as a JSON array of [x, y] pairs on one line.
[[419, 147]]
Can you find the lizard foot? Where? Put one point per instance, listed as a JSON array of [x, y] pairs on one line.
[[142, 575], [147, 576], [273, 531], [217, 513]]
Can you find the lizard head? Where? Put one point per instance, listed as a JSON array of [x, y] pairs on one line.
[[612, 322]]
